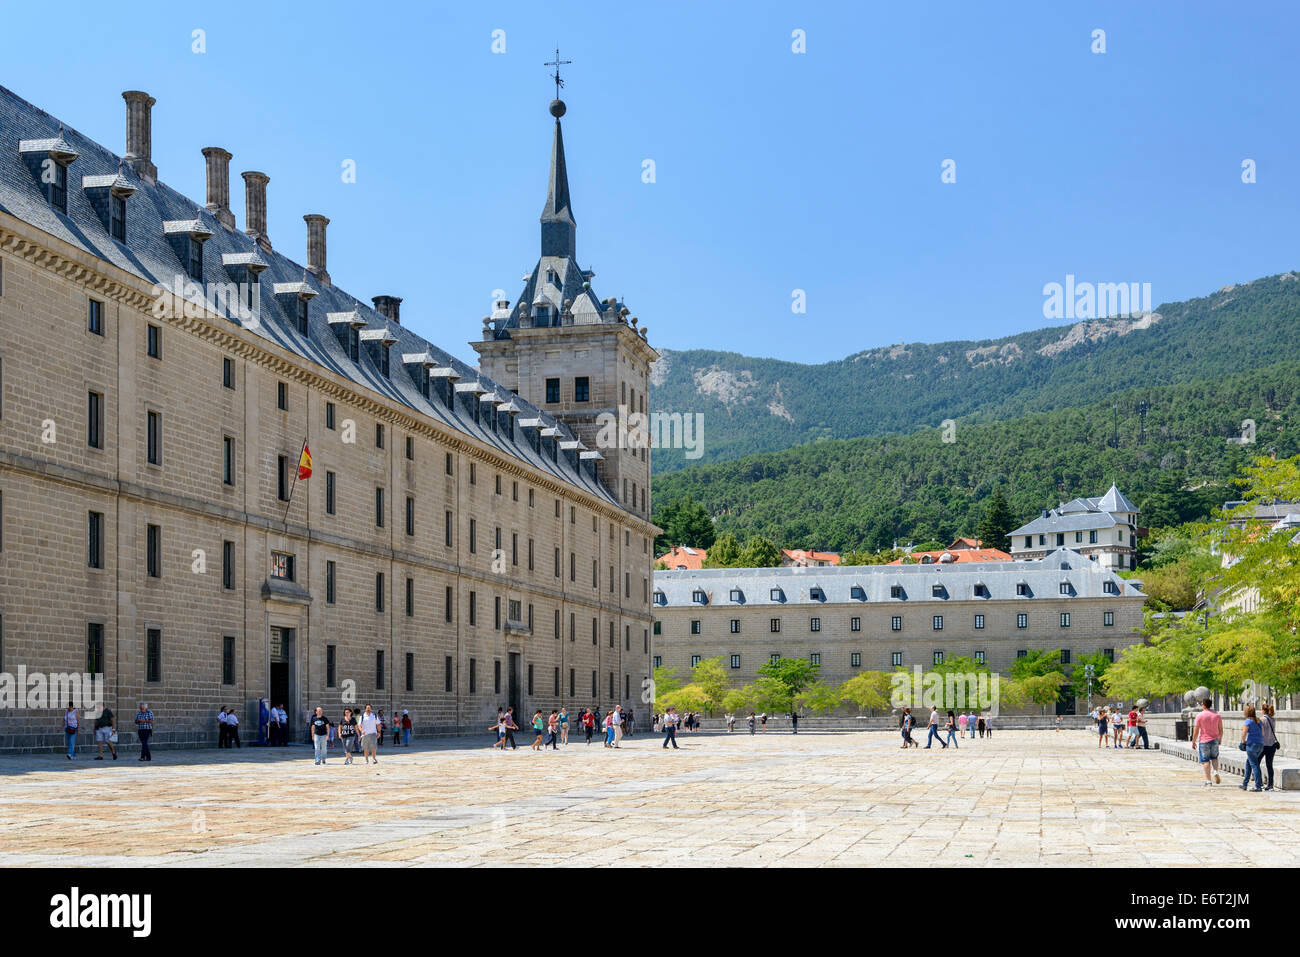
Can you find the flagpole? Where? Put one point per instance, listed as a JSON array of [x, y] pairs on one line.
[[284, 519]]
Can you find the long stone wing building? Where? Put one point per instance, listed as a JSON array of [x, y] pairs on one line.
[[884, 617], [457, 546]]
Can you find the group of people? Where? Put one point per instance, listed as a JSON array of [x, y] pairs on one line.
[[553, 730], [1112, 722], [228, 728], [946, 729], [357, 731], [105, 729], [1258, 740]]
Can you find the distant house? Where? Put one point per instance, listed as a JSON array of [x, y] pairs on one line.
[[1104, 529], [962, 550], [791, 557], [683, 558], [1279, 518]]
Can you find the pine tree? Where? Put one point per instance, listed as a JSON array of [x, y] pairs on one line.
[[997, 523]]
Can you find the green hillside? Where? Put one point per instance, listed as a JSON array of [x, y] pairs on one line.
[[867, 492], [756, 405]]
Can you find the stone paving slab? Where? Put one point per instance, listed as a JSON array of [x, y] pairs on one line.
[[849, 799]]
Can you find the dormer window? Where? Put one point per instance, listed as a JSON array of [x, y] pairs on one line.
[[660, 598], [1022, 589], [895, 591], [937, 591], [737, 595], [816, 594], [552, 277], [107, 196], [1066, 588], [857, 592], [777, 595], [981, 590], [187, 237], [48, 160], [699, 597], [1110, 588]]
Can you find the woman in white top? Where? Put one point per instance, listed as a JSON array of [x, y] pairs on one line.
[[70, 725]]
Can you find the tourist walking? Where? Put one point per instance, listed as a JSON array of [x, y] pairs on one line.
[[538, 726], [763, 720], [962, 723], [906, 723], [106, 733], [751, 722], [1252, 742], [794, 722], [980, 726], [618, 724], [731, 721], [1207, 730], [70, 726], [932, 732], [369, 735], [348, 734], [1117, 726], [564, 726], [320, 734], [232, 728], [951, 728], [144, 728], [609, 729], [1271, 744], [1132, 720], [670, 728], [988, 725], [553, 730], [1101, 728], [1142, 728], [970, 723], [511, 728], [588, 723]]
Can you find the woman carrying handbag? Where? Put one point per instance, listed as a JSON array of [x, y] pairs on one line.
[[1271, 744]]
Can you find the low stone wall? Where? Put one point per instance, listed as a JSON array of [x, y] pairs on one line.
[[781, 722], [1233, 762], [1287, 722]]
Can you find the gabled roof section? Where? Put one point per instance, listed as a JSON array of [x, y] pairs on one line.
[[1115, 501]]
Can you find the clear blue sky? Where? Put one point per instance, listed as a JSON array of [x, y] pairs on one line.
[[775, 171]]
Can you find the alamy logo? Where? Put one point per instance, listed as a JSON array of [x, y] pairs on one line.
[[655, 430], [934, 689], [74, 910], [1086, 300], [39, 690], [187, 299]]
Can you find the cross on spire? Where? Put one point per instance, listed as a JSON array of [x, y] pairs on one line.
[[557, 63]]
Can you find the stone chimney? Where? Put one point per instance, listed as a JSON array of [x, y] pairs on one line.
[[316, 251], [139, 135], [218, 164], [390, 307], [255, 207]]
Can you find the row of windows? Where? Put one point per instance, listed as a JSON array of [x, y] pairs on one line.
[[858, 593], [895, 623], [1060, 538], [895, 658]]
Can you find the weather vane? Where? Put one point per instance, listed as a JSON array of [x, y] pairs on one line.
[[557, 63]]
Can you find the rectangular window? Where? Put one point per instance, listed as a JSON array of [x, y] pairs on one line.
[[572, 683], [410, 515], [1065, 619], [582, 389], [282, 566], [379, 507], [95, 420], [855, 624], [95, 318], [1065, 656], [331, 666], [379, 671], [447, 673], [449, 529], [896, 623], [410, 448], [496, 676], [896, 659], [1022, 621], [154, 437], [1022, 589], [330, 502], [331, 578], [153, 341], [1092, 537], [938, 622], [938, 657], [695, 660], [530, 678], [227, 372], [227, 659], [473, 536], [410, 671], [410, 599], [1022, 653], [117, 217], [815, 624], [1108, 618], [448, 603], [473, 608], [282, 478], [227, 460], [496, 612], [153, 655], [855, 659], [552, 390], [228, 566], [95, 540], [735, 626], [659, 662], [774, 625], [979, 657], [979, 621], [815, 658], [379, 591], [194, 264], [153, 551], [473, 682], [282, 396], [695, 626], [1108, 654], [329, 415], [379, 435], [446, 462], [95, 649]]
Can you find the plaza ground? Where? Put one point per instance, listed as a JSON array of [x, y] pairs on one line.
[[844, 799]]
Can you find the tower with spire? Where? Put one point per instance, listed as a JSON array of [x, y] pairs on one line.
[[583, 359]]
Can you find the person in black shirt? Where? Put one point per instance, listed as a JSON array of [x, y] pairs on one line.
[[320, 734], [348, 735]]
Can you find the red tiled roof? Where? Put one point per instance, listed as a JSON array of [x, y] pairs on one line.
[[679, 556], [799, 556], [959, 555]]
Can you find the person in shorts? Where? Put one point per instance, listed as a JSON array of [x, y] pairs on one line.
[[1207, 732], [348, 735], [104, 731], [369, 734]]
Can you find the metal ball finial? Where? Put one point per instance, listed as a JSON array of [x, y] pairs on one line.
[[557, 108]]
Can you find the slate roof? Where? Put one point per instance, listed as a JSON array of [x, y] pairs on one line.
[[149, 255], [796, 585], [1080, 515]]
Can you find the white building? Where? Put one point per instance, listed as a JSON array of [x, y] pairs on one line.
[[1103, 529]]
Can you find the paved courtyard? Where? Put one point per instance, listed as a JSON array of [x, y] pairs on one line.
[[855, 799]]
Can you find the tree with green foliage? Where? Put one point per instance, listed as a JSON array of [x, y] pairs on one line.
[[998, 522], [684, 522], [1100, 664], [663, 682], [1169, 659], [724, 552], [869, 690], [818, 697], [759, 552], [795, 674], [711, 678]]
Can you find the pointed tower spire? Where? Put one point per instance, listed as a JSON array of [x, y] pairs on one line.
[[558, 224]]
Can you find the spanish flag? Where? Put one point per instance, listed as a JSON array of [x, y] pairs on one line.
[[304, 463]]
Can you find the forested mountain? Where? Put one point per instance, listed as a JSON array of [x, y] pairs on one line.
[[754, 405], [868, 492]]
